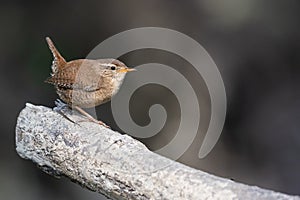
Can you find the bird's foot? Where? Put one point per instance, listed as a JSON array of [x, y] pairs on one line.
[[60, 105], [63, 109]]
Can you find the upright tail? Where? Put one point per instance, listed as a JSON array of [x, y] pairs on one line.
[[58, 62]]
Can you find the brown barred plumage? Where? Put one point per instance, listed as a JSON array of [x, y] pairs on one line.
[[85, 83]]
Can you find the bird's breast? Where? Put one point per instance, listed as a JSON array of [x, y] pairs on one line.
[[83, 98], [117, 82]]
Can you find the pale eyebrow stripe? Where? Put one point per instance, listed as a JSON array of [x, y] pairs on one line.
[[108, 64]]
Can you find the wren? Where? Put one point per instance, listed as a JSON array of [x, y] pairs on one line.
[[85, 83]]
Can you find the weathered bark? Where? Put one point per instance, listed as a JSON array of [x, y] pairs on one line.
[[116, 165]]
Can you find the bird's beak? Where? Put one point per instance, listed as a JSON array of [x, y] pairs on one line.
[[124, 70]]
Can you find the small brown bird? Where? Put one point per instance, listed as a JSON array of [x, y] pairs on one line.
[[85, 83]]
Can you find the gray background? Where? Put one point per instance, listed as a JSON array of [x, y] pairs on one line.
[[254, 43]]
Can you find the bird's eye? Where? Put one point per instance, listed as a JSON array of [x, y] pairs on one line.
[[113, 68]]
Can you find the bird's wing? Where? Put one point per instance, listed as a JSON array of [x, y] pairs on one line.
[[65, 79]]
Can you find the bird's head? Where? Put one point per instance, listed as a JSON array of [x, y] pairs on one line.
[[115, 69]]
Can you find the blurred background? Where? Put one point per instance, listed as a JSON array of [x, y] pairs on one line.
[[255, 44]]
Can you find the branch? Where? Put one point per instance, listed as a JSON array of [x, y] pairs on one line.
[[116, 165]]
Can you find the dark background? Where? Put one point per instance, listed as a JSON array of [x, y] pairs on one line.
[[255, 44]]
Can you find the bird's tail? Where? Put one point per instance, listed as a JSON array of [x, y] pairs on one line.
[[58, 62]]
